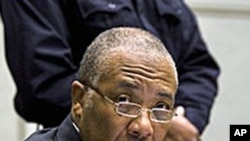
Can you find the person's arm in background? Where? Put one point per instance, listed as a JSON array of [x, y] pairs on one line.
[[40, 58], [0, 8], [198, 74]]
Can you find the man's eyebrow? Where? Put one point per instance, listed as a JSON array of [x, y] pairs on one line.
[[165, 94], [128, 85]]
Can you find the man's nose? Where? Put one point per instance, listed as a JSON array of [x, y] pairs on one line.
[[141, 127]]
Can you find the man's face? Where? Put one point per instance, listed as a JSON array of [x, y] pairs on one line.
[[134, 80]]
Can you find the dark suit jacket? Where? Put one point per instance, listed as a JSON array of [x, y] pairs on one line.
[[65, 132]]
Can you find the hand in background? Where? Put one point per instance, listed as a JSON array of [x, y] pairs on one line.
[[181, 128]]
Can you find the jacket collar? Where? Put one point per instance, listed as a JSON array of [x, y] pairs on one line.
[[67, 132]]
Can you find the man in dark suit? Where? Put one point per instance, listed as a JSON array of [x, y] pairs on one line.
[[125, 91]]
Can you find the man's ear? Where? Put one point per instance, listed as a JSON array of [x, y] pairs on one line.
[[77, 93]]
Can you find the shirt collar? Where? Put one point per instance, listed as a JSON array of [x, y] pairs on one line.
[[76, 128]]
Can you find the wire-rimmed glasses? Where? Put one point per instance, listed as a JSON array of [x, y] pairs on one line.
[[133, 110]]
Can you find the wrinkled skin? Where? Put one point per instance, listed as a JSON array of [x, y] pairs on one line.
[[143, 82]]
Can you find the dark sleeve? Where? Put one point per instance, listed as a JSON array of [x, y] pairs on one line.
[[40, 58], [0, 7], [198, 74]]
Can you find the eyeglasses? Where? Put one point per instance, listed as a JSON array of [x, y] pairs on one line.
[[133, 110]]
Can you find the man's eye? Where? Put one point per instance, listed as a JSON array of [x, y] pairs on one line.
[[162, 106], [123, 98]]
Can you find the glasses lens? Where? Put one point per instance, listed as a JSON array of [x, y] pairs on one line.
[[161, 115], [128, 109]]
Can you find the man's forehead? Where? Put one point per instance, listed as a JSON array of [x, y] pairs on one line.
[[134, 64], [119, 62]]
